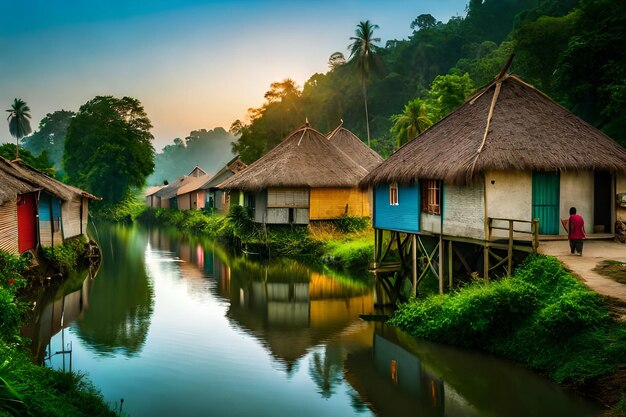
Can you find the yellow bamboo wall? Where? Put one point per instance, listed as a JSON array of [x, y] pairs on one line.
[[8, 227], [330, 203]]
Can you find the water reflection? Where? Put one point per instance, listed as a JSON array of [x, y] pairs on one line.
[[177, 325], [290, 308], [398, 375]]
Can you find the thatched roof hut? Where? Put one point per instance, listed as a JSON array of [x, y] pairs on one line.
[[193, 183], [170, 190], [306, 158], [354, 147], [26, 173], [527, 131]]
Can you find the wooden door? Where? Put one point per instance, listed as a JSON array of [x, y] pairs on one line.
[[546, 201], [26, 226], [602, 207]]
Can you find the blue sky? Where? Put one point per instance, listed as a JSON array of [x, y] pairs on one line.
[[193, 64]]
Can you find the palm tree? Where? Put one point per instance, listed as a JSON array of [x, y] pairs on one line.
[[19, 125], [362, 52], [414, 120]]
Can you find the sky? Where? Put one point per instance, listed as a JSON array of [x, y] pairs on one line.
[[193, 64]]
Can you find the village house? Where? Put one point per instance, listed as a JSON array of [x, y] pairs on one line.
[[507, 164], [167, 197], [37, 210], [216, 198], [151, 199], [304, 178]]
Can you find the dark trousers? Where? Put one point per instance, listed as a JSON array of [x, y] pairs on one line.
[[576, 245]]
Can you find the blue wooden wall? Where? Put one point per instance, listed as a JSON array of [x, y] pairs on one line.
[[405, 216], [44, 207]]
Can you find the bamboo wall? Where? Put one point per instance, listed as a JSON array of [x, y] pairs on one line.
[[50, 221], [8, 227], [332, 203], [621, 189]]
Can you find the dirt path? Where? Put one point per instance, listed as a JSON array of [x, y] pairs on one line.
[[594, 252]]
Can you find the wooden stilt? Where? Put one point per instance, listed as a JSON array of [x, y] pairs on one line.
[[450, 254], [486, 262], [510, 252], [440, 264], [414, 264]]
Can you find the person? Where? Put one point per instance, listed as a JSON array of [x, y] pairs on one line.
[[576, 232]]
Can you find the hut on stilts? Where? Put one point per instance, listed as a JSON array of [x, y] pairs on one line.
[[491, 179]]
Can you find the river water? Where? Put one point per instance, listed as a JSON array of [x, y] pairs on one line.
[[177, 326]]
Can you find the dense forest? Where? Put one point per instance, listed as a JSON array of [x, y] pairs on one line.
[[569, 49]]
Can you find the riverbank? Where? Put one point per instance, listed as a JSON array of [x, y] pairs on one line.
[[541, 317], [346, 243], [27, 388]]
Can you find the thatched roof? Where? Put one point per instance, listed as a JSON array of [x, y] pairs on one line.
[[23, 172], [171, 189], [151, 190], [304, 159], [528, 131], [233, 166], [354, 147], [193, 183], [12, 186]]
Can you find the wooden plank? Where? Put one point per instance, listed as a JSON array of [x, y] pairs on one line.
[[450, 264], [440, 264], [510, 252], [414, 264]]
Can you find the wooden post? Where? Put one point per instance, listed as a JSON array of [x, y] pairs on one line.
[[486, 252], [535, 235], [510, 254], [450, 254], [414, 264], [440, 264]]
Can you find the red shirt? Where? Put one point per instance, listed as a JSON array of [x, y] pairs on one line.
[[576, 227]]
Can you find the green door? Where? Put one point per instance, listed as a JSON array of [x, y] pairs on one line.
[[546, 196]]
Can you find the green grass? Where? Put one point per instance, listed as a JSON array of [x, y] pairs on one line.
[[542, 317], [350, 254], [27, 389]]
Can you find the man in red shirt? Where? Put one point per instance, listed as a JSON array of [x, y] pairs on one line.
[[576, 232]]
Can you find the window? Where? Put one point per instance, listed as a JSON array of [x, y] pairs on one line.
[[393, 194], [431, 196]]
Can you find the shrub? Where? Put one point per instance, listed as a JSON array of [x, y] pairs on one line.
[[347, 224], [350, 255], [11, 269], [573, 312], [65, 257]]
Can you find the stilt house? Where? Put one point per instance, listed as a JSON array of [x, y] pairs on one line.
[[506, 157], [306, 177], [354, 147], [36, 209]]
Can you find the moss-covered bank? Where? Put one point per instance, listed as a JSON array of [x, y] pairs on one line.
[[542, 317], [27, 389]]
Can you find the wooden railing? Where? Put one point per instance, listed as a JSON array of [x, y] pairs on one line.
[[510, 244]]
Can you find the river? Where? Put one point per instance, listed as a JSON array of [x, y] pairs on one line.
[[178, 326]]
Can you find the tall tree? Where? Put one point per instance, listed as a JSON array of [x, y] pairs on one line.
[[108, 147], [50, 137], [19, 125], [363, 54], [414, 120]]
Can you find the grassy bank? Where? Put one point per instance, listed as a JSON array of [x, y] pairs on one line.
[[542, 317], [27, 389], [345, 243]]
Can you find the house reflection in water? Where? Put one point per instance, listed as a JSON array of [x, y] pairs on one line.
[[392, 380], [56, 312], [290, 308]]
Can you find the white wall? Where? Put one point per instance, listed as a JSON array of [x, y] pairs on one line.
[[464, 210], [577, 191], [509, 196]]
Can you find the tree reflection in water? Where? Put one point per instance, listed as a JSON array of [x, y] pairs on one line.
[[121, 306]]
